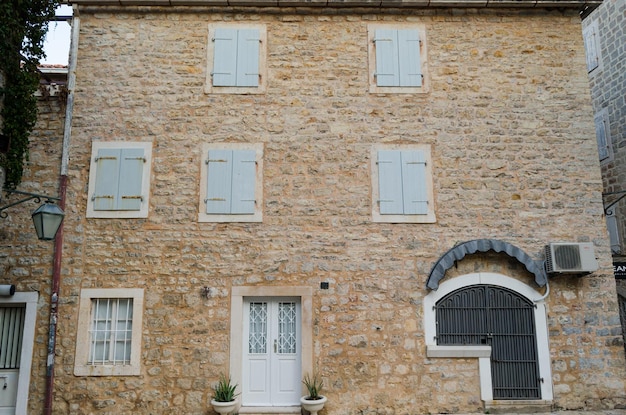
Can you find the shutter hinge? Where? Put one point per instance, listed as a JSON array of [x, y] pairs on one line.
[[214, 199], [94, 197], [215, 161], [133, 197], [105, 158], [136, 158]]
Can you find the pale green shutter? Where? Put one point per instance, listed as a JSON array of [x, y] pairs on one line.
[[390, 182], [107, 179], [410, 71], [131, 176], [387, 70], [219, 182], [225, 57], [248, 57], [243, 182], [414, 186], [603, 148]]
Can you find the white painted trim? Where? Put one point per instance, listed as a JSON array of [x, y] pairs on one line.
[[257, 216], [261, 88], [371, 49], [430, 216], [458, 351], [29, 299], [83, 341], [145, 180], [499, 280], [236, 326]]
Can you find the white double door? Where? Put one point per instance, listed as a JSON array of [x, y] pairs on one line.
[[271, 352]]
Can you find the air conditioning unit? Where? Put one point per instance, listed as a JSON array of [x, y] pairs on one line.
[[570, 258]]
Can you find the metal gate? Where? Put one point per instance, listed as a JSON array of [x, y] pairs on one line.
[[502, 319]]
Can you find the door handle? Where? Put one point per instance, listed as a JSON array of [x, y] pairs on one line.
[[275, 345]]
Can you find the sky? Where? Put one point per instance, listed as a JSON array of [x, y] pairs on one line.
[[57, 44]]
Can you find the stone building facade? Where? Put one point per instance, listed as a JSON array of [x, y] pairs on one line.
[[605, 36], [310, 270]]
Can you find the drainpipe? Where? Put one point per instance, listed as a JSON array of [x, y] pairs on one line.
[[58, 241]]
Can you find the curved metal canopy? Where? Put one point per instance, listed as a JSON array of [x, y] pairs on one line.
[[458, 252]]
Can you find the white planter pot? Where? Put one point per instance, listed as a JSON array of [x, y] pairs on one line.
[[224, 408], [313, 405]]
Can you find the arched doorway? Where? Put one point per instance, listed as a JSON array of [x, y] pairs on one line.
[[502, 319]]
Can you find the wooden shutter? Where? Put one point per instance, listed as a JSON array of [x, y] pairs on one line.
[[107, 179], [387, 70], [248, 57], [130, 179], [225, 57], [219, 181], [601, 132], [591, 50], [414, 189], [390, 182], [243, 182], [611, 224], [410, 69]]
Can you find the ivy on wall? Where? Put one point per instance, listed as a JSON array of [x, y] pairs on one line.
[[23, 26]]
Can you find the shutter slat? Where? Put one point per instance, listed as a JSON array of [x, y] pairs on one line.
[[390, 182], [225, 57], [219, 181], [107, 179], [243, 182], [131, 176], [414, 186], [248, 57], [387, 69], [410, 71]]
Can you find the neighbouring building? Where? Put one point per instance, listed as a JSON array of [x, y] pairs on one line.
[[604, 32], [403, 197]]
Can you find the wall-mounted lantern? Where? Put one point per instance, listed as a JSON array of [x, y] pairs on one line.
[[47, 218]]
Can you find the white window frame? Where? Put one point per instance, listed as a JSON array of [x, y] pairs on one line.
[[483, 353], [83, 336], [371, 47], [262, 86], [430, 216], [257, 216], [593, 57], [145, 180], [603, 116]]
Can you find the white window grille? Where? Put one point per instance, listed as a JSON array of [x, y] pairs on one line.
[[111, 331]]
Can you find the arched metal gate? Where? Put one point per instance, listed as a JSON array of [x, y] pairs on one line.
[[502, 319]]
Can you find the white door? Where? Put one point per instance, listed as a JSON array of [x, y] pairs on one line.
[[271, 352], [11, 334]]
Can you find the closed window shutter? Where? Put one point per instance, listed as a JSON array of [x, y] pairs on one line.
[[591, 50], [219, 181], [410, 72], [390, 182], [243, 183], [248, 57], [611, 224], [131, 176], [603, 148], [225, 57], [107, 179], [387, 70], [414, 189]]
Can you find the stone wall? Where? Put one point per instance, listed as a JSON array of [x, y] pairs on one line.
[[510, 123], [24, 260]]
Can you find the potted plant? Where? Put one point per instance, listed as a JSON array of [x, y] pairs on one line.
[[224, 397], [313, 402]]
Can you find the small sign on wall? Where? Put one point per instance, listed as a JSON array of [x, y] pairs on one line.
[[619, 268]]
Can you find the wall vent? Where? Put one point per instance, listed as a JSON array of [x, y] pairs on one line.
[[571, 258]]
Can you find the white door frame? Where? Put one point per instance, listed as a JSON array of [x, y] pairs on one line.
[[236, 326], [29, 300]]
